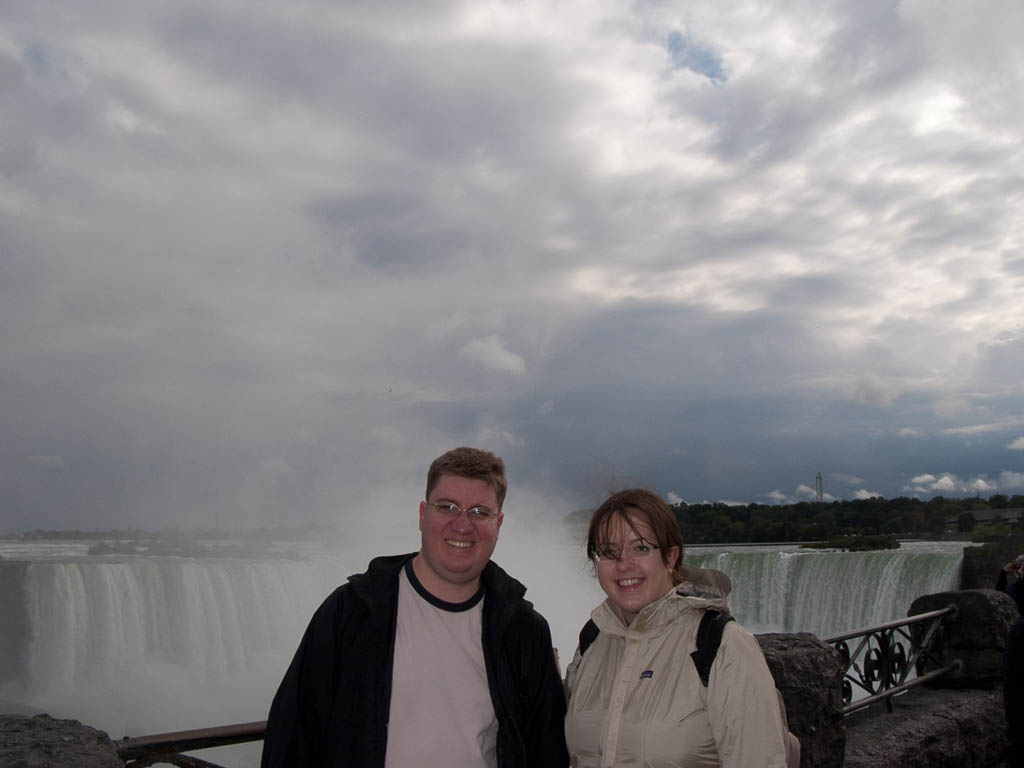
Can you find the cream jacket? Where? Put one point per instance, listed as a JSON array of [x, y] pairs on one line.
[[635, 698]]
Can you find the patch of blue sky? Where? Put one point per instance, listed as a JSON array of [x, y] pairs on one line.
[[43, 61], [695, 57]]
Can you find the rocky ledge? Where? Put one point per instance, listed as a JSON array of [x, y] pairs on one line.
[[929, 728], [41, 741]]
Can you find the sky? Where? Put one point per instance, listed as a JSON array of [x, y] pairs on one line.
[[261, 262]]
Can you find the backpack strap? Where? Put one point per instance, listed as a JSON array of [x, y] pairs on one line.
[[587, 635], [709, 637]]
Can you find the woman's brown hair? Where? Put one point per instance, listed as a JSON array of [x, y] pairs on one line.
[[647, 506]]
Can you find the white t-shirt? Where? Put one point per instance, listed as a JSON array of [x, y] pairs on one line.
[[441, 709]]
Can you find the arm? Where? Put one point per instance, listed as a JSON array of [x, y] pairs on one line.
[[543, 701], [570, 674], [300, 710], [743, 705]]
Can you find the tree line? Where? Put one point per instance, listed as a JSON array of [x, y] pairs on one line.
[[813, 521]]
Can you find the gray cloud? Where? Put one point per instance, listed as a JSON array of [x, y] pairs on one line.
[[260, 265]]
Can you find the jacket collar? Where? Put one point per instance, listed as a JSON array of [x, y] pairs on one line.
[[380, 581]]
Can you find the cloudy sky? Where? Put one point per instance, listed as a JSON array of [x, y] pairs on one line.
[[260, 262]]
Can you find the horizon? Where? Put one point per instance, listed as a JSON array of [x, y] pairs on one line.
[[568, 519]]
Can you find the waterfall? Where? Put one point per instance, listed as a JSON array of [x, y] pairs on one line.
[[786, 589], [137, 645], [146, 644], [215, 617]]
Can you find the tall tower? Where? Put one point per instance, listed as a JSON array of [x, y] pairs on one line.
[[821, 496]]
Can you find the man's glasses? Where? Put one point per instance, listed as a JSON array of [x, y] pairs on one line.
[[638, 550], [451, 510]]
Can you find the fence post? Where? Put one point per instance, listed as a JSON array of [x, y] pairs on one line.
[[809, 675], [976, 634]]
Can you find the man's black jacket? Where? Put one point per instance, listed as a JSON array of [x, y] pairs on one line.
[[1013, 695], [333, 705]]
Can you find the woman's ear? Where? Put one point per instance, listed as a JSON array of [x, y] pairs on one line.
[[673, 558]]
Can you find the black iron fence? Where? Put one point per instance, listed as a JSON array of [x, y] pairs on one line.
[[879, 662], [882, 658]]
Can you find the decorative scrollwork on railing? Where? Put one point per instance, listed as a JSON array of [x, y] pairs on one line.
[[882, 657]]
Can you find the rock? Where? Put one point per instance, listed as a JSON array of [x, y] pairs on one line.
[[809, 675], [929, 728], [44, 742], [13, 625], [981, 565], [976, 635]]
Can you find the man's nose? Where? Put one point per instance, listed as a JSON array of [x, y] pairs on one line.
[[461, 522]]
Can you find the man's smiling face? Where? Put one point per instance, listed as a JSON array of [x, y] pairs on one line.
[[454, 551]]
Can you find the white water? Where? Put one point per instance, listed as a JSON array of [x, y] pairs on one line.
[[788, 589], [138, 645]]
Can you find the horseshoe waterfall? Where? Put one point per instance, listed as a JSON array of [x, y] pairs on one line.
[[137, 644]]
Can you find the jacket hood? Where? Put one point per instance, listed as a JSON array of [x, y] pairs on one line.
[[708, 584]]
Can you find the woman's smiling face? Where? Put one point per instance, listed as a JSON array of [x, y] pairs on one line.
[[634, 578]]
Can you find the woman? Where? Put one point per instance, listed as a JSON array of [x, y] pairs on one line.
[[635, 696]]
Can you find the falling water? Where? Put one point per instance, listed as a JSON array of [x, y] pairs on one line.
[[145, 644], [787, 589]]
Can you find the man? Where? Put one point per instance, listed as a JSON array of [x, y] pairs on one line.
[[1014, 590], [1013, 695], [427, 659]]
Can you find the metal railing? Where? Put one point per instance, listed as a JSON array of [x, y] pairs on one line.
[[166, 748], [884, 656], [879, 664]]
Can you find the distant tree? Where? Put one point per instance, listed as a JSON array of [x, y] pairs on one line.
[[965, 522], [996, 530], [914, 521], [825, 524], [894, 525]]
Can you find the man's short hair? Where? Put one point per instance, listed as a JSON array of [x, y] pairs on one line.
[[472, 463]]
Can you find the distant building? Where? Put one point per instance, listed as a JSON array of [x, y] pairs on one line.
[[1010, 516]]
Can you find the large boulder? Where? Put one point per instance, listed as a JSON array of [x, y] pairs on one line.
[[44, 742], [929, 728], [809, 675], [981, 565], [14, 624], [976, 635]]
